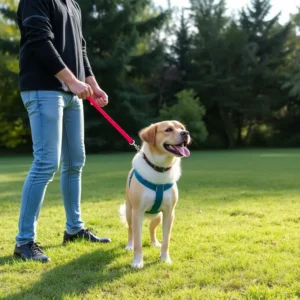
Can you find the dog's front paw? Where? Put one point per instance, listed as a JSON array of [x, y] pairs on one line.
[[156, 244], [137, 264], [166, 258], [129, 247]]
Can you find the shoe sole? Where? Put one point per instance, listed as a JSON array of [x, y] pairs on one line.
[[80, 239]]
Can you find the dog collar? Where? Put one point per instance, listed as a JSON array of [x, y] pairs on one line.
[[154, 167]]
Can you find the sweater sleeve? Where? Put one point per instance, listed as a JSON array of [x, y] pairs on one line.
[[86, 63], [35, 18]]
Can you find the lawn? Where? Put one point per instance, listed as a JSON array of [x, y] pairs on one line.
[[236, 234]]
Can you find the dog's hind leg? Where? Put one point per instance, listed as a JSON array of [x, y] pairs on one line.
[[152, 230]]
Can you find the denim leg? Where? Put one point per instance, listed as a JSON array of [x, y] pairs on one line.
[[45, 111], [73, 159]]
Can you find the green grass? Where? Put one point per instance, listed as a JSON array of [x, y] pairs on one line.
[[236, 234]]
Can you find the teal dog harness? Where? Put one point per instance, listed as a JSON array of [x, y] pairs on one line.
[[158, 188]]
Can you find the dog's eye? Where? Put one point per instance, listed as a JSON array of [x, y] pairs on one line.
[[169, 129]]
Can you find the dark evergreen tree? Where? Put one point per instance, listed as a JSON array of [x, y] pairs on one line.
[[124, 51], [292, 83], [170, 78], [286, 123], [9, 46], [266, 71], [214, 58], [235, 67], [182, 47], [13, 131]]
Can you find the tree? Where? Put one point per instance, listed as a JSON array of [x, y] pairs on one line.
[[182, 47], [124, 51], [292, 82], [236, 67], [266, 71], [215, 56], [286, 123], [170, 78], [13, 129], [188, 111]]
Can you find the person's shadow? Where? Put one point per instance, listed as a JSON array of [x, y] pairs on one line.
[[75, 277]]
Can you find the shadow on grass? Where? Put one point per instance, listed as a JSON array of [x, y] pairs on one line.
[[7, 260], [75, 277]]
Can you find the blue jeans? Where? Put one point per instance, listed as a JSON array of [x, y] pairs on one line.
[[57, 129]]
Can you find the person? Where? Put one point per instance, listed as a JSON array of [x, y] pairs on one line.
[[55, 75]]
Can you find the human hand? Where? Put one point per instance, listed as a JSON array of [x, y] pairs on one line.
[[81, 89], [99, 95]]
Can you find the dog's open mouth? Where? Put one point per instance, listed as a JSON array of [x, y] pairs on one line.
[[178, 150]]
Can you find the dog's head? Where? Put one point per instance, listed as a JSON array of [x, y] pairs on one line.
[[168, 137]]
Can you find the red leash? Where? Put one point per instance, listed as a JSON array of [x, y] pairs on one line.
[[114, 124]]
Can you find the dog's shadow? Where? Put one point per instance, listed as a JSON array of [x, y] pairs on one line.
[[76, 276]]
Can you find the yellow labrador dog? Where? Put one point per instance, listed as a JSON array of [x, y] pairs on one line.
[[151, 186]]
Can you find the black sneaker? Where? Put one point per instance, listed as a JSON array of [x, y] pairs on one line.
[[84, 234], [31, 251]]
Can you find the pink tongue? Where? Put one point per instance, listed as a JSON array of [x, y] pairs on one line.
[[183, 151]]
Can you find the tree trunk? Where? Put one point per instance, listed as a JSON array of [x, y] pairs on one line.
[[239, 140], [228, 128], [249, 131]]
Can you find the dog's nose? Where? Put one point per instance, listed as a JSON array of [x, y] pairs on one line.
[[184, 133]]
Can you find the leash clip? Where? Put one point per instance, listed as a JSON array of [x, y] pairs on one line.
[[137, 148]]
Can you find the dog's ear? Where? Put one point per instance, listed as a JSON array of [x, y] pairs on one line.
[[148, 134]]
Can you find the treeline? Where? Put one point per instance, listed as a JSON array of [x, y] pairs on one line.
[[234, 81]]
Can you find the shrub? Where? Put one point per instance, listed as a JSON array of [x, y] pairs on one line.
[[188, 111]]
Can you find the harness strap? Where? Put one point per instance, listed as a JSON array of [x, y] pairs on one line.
[[158, 200], [158, 188]]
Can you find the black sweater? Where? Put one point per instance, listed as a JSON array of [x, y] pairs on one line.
[[51, 39]]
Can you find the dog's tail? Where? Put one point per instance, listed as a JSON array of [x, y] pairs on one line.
[[122, 214]]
